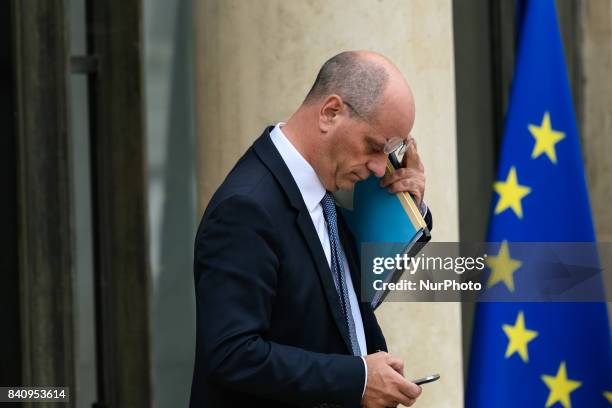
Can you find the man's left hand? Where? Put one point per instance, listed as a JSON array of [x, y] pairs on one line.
[[410, 177]]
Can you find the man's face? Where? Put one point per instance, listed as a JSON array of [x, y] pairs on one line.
[[357, 149]]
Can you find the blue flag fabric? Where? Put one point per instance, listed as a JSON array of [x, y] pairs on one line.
[[539, 354]]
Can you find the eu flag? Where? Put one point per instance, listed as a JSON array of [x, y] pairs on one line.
[[539, 354]]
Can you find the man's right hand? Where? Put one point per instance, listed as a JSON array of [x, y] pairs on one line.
[[386, 386]]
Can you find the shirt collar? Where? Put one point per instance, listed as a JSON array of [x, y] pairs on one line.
[[305, 177]]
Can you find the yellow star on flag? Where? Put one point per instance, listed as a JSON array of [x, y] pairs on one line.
[[502, 267], [560, 387], [545, 139], [518, 337], [510, 194], [608, 395]]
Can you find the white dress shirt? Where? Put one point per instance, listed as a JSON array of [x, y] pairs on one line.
[[312, 191]]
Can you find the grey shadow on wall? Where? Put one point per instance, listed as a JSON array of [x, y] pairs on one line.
[[174, 301]]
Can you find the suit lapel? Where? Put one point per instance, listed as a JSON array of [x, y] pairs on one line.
[[269, 155], [316, 250]]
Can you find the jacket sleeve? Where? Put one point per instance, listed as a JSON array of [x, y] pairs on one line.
[[236, 272]]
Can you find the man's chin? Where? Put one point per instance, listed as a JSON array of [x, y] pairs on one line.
[[347, 185]]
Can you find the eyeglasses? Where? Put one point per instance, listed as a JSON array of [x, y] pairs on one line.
[[354, 110], [396, 145]]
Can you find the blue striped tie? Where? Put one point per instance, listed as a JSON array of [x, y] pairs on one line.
[[329, 211]]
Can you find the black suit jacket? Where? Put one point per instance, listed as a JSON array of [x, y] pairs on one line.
[[270, 331]]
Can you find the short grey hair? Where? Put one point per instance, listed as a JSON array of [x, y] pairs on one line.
[[357, 80]]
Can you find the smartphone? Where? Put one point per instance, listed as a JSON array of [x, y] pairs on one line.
[[428, 379], [394, 161]]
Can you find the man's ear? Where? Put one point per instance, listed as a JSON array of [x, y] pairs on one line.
[[331, 108]]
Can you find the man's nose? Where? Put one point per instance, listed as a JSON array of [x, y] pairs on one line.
[[377, 166]]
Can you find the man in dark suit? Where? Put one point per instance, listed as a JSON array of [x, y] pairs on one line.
[[279, 321]]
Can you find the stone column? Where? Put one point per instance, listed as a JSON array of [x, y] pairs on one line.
[[256, 60], [597, 111], [596, 16]]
